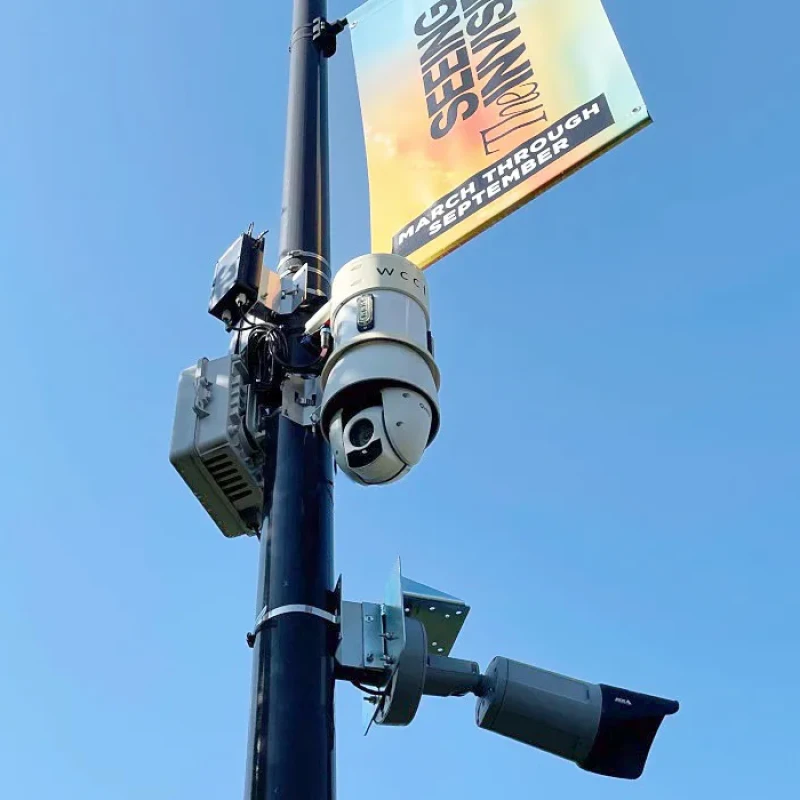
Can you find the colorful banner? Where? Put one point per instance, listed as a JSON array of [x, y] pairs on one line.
[[473, 107]]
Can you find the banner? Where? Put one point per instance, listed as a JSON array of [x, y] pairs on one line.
[[473, 107]]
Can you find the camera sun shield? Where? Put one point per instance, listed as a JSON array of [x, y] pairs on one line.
[[628, 725]]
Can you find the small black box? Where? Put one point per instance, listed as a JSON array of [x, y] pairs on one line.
[[237, 273]]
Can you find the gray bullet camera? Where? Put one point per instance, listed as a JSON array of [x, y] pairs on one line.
[[603, 729], [403, 647]]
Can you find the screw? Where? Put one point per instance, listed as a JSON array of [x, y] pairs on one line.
[[370, 658]]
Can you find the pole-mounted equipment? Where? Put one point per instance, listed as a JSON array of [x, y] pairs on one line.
[[345, 370]]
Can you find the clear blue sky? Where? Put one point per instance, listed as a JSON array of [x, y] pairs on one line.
[[615, 486]]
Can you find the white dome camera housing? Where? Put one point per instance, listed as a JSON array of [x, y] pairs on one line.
[[380, 405], [382, 442]]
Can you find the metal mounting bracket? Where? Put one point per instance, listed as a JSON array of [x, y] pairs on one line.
[[361, 649], [282, 295], [202, 389], [441, 614], [324, 33], [301, 396], [389, 645]]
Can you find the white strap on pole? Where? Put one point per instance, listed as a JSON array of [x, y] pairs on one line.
[[265, 616]]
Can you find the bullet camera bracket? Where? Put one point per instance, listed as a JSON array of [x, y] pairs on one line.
[[441, 614]]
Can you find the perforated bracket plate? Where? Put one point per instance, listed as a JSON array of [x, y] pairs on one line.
[[442, 614]]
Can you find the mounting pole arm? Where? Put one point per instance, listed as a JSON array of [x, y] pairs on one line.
[[451, 677]]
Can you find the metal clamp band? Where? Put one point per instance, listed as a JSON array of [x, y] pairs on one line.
[[301, 254], [303, 32], [324, 275], [297, 608]]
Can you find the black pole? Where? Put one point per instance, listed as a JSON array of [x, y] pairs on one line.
[[291, 739]]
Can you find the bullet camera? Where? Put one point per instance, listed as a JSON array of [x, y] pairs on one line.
[[380, 406], [601, 728]]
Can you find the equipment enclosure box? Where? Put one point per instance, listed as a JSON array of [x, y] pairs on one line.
[[236, 277], [211, 448]]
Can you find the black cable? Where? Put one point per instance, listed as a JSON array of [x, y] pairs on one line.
[[277, 344], [271, 336], [277, 333], [367, 690], [257, 353], [251, 326]]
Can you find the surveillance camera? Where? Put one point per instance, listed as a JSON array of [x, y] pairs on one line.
[[380, 405], [379, 444], [603, 729]]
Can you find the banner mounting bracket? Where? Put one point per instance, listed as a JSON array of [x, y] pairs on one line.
[[324, 33]]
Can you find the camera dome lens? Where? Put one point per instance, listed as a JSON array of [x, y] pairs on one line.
[[361, 433]]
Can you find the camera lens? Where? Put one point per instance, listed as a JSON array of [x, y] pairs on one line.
[[361, 433]]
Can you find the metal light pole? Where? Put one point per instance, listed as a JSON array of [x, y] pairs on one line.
[[291, 738]]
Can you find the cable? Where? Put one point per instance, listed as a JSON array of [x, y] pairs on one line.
[[277, 345], [367, 690], [238, 348], [276, 333], [251, 326], [282, 344]]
